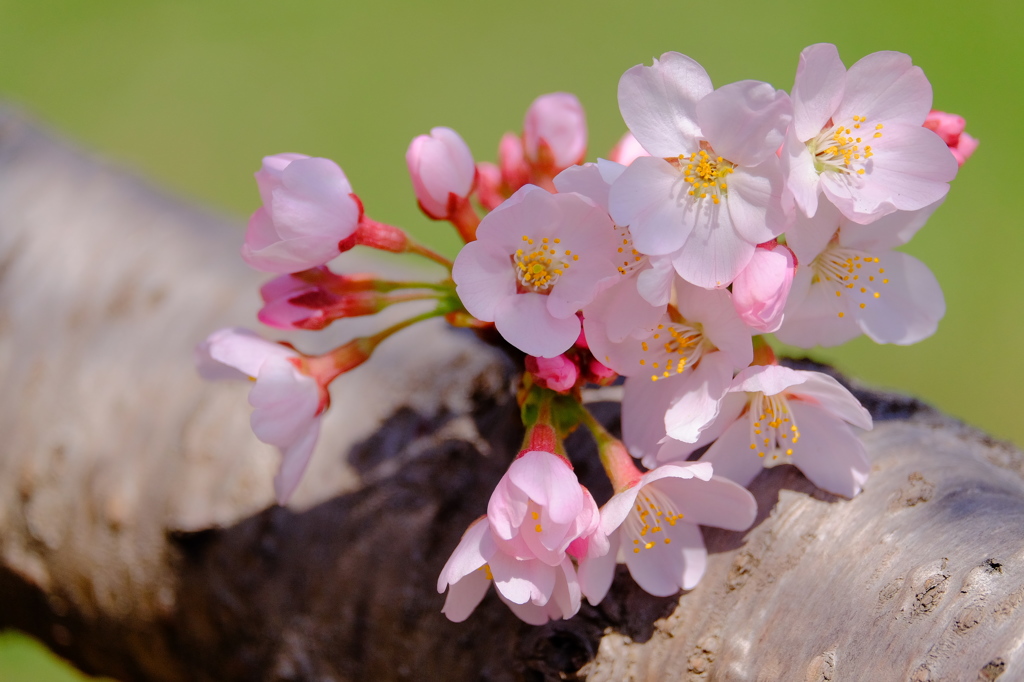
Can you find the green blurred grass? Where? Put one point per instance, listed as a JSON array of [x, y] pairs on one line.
[[192, 94]]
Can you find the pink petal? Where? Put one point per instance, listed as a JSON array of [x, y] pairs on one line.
[[294, 460], [698, 406], [465, 595], [768, 379], [909, 307], [644, 404], [713, 309], [522, 581], [596, 574], [713, 253], [818, 90], [484, 278], [659, 103], [471, 553], [677, 452], [745, 121], [815, 321], [547, 480], [524, 321], [720, 502], [732, 457], [829, 454], [887, 87], [801, 176], [661, 571], [644, 197]]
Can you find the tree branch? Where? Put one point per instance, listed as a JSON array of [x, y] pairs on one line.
[[139, 541]]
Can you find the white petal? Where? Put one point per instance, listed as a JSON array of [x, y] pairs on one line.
[[659, 103], [828, 453]]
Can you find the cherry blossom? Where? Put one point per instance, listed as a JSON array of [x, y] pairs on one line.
[[852, 282], [537, 260], [652, 527], [558, 373], [857, 136], [442, 171], [308, 208], [712, 189], [536, 512], [760, 291], [287, 404], [775, 415]]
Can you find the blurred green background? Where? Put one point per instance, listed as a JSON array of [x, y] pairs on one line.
[[192, 93]]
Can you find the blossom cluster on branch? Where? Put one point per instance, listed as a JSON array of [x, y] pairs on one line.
[[723, 215]]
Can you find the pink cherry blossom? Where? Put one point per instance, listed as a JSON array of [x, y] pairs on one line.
[[712, 189], [537, 513], [857, 136], [760, 291], [776, 415], [555, 132], [287, 403], [538, 258], [950, 128], [652, 527], [442, 171], [852, 282], [308, 208]]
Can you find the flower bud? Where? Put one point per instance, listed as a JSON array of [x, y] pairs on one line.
[[759, 292], [515, 172], [488, 185], [442, 171], [950, 128], [308, 208], [557, 374], [555, 132]]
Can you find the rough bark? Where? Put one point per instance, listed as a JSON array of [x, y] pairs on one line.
[[138, 539]]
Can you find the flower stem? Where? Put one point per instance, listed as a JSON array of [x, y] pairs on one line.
[[615, 458]]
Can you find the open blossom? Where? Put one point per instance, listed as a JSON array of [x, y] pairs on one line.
[[712, 189], [652, 527], [287, 404], [538, 258], [857, 136], [308, 208], [442, 171], [536, 513], [679, 368], [760, 291], [852, 282], [776, 415]]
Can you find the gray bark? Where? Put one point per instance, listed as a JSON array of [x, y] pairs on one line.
[[138, 537]]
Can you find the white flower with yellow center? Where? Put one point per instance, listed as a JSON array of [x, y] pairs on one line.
[[857, 136], [538, 258], [712, 189], [775, 415], [854, 283]]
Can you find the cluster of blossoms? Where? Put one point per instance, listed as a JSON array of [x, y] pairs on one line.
[[723, 215]]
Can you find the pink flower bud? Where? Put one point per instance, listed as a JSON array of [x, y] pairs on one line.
[[950, 128], [627, 150], [488, 185], [555, 132], [308, 207], [515, 172], [558, 373], [759, 292], [598, 373], [442, 171]]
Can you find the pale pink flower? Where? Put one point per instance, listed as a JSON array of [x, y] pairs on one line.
[[308, 208], [538, 258], [555, 132], [857, 136], [679, 368], [627, 150], [760, 291], [537, 512], [712, 189], [287, 404], [775, 415], [652, 527], [442, 171], [558, 373], [850, 281], [950, 128]]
